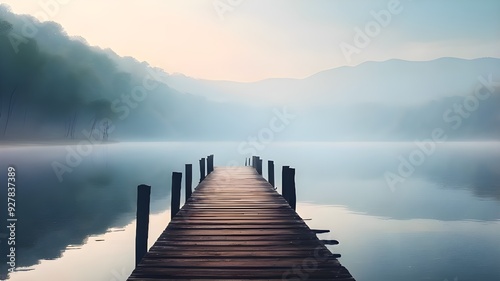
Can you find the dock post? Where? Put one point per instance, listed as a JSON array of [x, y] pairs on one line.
[[202, 169], [292, 195], [270, 172], [175, 196], [142, 222], [284, 183], [189, 180], [210, 164], [253, 162], [245, 162], [259, 166]]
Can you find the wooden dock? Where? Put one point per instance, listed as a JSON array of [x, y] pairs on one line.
[[236, 226]]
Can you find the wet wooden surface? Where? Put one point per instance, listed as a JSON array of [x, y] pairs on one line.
[[236, 226]]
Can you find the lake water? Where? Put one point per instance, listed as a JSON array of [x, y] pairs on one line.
[[436, 219]]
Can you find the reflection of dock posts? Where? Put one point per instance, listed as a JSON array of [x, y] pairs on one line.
[[270, 172], [202, 169], [142, 223], [259, 166], [210, 164], [189, 180], [176, 194]]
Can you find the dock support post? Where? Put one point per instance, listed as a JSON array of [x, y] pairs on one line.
[[259, 166], [288, 186], [292, 195], [202, 169], [189, 181], [210, 164], [142, 223], [175, 196], [270, 172], [284, 183]]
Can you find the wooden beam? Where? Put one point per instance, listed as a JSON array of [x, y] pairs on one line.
[[175, 197], [142, 223], [202, 169], [189, 181], [270, 172]]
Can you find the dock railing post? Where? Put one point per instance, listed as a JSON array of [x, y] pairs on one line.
[[270, 172], [259, 166], [189, 180], [210, 164], [142, 222], [284, 183], [292, 195], [202, 169], [175, 197]]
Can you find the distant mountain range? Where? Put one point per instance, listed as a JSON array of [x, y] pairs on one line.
[[390, 100], [55, 87], [393, 82]]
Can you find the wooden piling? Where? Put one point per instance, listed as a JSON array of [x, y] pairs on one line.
[[210, 164], [284, 183], [259, 166], [142, 223], [202, 169], [189, 181], [291, 188], [270, 172], [176, 194]]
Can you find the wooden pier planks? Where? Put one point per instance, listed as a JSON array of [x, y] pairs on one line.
[[236, 226]]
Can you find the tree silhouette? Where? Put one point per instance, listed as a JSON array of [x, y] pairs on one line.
[[101, 110]]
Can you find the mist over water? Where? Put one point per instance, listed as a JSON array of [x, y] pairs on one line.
[[59, 88]]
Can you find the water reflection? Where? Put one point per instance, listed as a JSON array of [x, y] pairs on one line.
[[459, 181], [98, 194], [110, 255], [381, 249]]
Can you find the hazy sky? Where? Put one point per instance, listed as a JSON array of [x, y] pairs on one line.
[[248, 40]]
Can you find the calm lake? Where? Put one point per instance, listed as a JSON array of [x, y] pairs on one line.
[[436, 219]]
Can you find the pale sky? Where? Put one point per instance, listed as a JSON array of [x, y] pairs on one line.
[[257, 39]]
